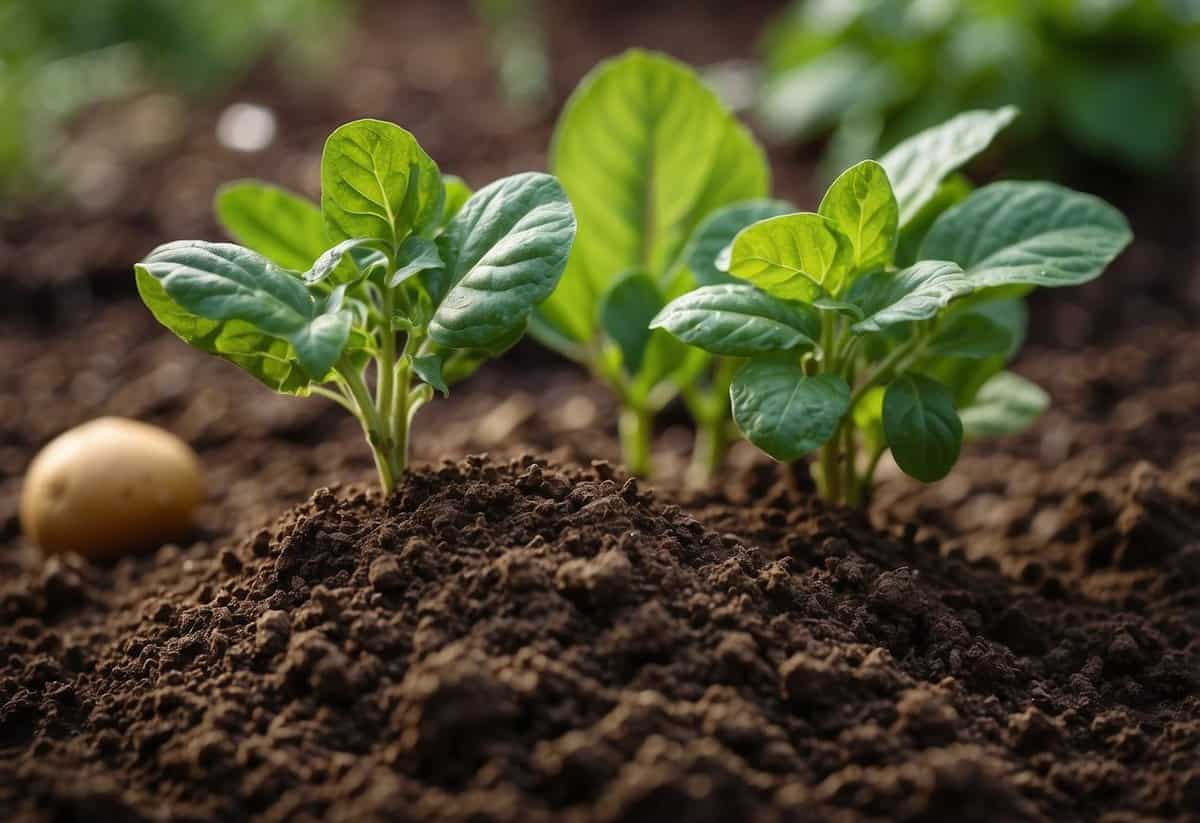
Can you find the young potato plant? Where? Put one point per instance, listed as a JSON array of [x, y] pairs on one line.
[[401, 276], [884, 320], [662, 177]]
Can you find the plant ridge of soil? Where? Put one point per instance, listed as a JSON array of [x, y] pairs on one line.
[[504, 641]]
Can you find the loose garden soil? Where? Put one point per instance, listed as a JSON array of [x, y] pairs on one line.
[[532, 636]]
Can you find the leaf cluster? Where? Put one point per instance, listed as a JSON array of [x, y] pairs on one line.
[[883, 321]]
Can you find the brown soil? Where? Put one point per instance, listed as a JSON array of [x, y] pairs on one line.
[[1021, 641]]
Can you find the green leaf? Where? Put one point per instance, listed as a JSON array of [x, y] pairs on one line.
[[428, 367], [626, 310], [504, 254], [377, 182], [922, 427], [783, 411], [645, 151], [795, 256], [1007, 404], [971, 336], [716, 233], [918, 165], [801, 103], [457, 195], [283, 227], [860, 203], [868, 419], [919, 292], [416, 254], [953, 190], [1031, 234], [224, 282], [738, 320], [268, 359]]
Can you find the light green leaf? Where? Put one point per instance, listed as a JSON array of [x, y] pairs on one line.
[[626, 310], [919, 292], [377, 182], [868, 419], [860, 203], [224, 282], [783, 411], [283, 227], [504, 254], [795, 256], [716, 233], [457, 195], [428, 367], [738, 320], [923, 429], [971, 336], [645, 151], [416, 254], [918, 165], [1007, 404], [1031, 234]]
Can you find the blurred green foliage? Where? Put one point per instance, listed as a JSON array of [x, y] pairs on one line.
[[58, 56], [519, 49], [1116, 79]]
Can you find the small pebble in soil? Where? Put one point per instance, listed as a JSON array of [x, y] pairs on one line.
[[110, 487]]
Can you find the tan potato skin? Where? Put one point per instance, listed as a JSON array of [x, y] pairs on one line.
[[110, 487]]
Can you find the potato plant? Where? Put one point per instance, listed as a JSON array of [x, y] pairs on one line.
[[662, 177], [883, 321], [399, 284]]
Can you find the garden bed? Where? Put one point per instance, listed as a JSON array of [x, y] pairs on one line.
[[532, 636]]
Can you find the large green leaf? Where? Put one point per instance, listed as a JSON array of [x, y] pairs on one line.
[[783, 411], [645, 151], [919, 292], [377, 182], [971, 336], [1029, 234], [918, 165], [860, 203], [1007, 404], [223, 282], [283, 227], [504, 253], [717, 231], [923, 429], [268, 359], [738, 320], [626, 309], [795, 256]]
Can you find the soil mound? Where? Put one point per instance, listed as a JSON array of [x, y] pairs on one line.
[[512, 642]]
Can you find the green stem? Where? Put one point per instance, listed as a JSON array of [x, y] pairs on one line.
[[373, 426], [849, 455], [708, 452], [636, 425]]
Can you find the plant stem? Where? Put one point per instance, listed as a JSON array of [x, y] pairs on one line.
[[708, 451], [373, 426], [636, 425]]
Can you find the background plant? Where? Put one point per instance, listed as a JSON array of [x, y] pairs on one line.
[[872, 72], [59, 56], [400, 275], [661, 176], [884, 320]]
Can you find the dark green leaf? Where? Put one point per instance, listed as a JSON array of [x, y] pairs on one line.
[[224, 282], [416, 254], [428, 367], [783, 411], [331, 260], [738, 320], [923, 429], [919, 292], [504, 254], [626, 310], [971, 336], [283, 227], [1030, 234]]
